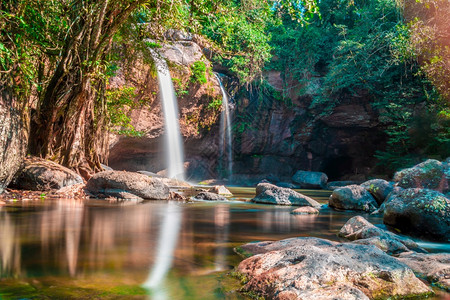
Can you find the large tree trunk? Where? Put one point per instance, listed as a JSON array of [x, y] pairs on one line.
[[12, 136], [69, 122]]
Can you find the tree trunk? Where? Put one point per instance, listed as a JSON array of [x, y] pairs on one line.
[[69, 122], [12, 137]]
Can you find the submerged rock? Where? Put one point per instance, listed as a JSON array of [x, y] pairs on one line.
[[210, 196], [353, 197], [307, 179], [430, 174], [111, 183], [271, 194], [379, 189], [420, 212], [220, 190], [300, 268], [363, 232], [434, 267], [38, 174], [305, 210]]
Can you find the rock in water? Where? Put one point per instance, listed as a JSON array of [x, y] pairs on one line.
[[430, 174], [434, 267], [39, 174], [307, 179], [305, 210], [419, 212], [363, 232], [353, 197], [220, 190], [113, 182], [301, 268], [271, 194], [379, 189], [209, 196]]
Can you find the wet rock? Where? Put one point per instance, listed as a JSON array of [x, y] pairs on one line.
[[271, 194], [299, 267], [420, 212], [313, 180], [220, 190], [106, 168], [151, 174], [353, 197], [38, 174], [287, 185], [177, 196], [113, 182], [379, 189], [332, 185], [123, 196], [434, 267], [305, 210], [363, 232], [430, 174], [209, 196]]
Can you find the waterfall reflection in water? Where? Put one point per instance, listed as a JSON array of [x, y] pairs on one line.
[[168, 238]]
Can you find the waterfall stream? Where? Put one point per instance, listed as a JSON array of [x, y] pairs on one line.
[[226, 141], [173, 143]]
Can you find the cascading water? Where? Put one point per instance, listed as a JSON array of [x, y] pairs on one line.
[[173, 142], [226, 142]]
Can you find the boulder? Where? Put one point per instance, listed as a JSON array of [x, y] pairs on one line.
[[271, 194], [297, 268], [420, 212], [430, 174], [220, 190], [363, 232], [353, 197], [379, 189], [313, 180], [114, 182], [305, 210], [332, 185], [38, 174], [209, 196], [434, 267]]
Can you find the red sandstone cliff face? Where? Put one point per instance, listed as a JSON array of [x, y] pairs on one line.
[[199, 117]]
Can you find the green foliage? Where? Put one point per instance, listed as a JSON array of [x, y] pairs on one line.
[[198, 72], [215, 104], [119, 102]]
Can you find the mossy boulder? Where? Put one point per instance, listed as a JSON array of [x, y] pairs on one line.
[[353, 197], [430, 174], [379, 189], [312, 268], [271, 194], [419, 212]]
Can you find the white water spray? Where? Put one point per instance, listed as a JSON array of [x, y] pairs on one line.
[[226, 141], [173, 143]]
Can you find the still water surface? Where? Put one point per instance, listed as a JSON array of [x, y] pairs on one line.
[[71, 249]]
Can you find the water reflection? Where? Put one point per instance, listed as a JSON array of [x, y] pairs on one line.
[[168, 247], [168, 238]]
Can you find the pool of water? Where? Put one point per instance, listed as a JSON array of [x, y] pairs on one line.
[[73, 249]]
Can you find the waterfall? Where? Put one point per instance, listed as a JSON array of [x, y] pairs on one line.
[[226, 149], [173, 143]]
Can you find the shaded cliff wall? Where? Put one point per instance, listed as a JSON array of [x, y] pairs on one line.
[[277, 137]]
